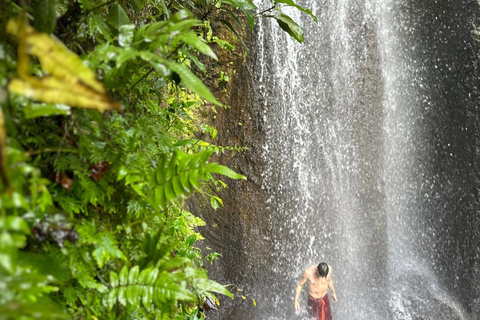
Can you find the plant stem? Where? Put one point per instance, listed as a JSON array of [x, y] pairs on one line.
[[273, 7], [141, 79]]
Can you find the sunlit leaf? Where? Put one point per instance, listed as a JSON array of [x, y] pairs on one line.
[[192, 82], [123, 276], [69, 82], [198, 43], [125, 36], [35, 110]]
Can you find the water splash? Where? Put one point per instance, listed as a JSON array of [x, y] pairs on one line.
[[352, 155]]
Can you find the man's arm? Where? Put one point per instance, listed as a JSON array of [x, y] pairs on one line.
[[330, 285], [299, 289]]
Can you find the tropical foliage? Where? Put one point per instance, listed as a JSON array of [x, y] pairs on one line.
[[99, 149]]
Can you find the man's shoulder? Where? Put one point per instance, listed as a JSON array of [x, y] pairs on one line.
[[310, 269]]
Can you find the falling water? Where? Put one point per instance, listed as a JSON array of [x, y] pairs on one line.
[[369, 151]]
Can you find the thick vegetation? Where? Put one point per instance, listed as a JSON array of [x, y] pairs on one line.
[[98, 153]]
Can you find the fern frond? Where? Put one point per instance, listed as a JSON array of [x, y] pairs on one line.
[[148, 287], [181, 175]]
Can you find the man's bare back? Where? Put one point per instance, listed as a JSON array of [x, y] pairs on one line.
[[317, 285]]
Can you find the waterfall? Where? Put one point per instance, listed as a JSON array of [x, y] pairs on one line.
[[369, 153]]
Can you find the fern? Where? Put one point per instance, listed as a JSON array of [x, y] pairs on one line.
[[181, 175], [157, 286], [148, 287]]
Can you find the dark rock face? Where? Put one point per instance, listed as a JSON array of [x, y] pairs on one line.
[[363, 152], [239, 230]]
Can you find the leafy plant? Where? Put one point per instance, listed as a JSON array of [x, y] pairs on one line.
[[99, 150]]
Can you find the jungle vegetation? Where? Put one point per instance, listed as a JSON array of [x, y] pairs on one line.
[[99, 151]]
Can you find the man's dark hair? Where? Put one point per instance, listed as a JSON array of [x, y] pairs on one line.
[[322, 269]]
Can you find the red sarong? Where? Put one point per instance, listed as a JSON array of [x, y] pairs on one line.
[[320, 308]]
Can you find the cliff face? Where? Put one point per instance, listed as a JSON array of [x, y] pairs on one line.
[[238, 230]]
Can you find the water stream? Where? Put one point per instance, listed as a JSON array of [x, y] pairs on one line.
[[370, 148]]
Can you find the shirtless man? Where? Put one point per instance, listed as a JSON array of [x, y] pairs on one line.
[[320, 280]]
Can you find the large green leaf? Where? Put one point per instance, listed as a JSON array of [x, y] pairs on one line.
[[210, 285], [44, 15], [192, 81], [293, 4], [117, 16], [198, 43], [226, 171], [290, 26]]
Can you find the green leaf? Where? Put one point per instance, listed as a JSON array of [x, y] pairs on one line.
[[293, 4], [147, 297], [199, 65], [178, 188], [35, 110], [107, 249], [123, 276], [194, 179], [138, 4], [126, 55], [148, 276], [250, 19], [133, 293], [210, 285], [111, 298], [167, 290], [122, 173], [223, 170], [117, 16], [160, 199], [173, 263], [122, 297], [184, 179], [169, 193], [242, 4], [98, 23], [113, 279], [161, 170], [198, 43], [190, 240], [133, 275], [142, 278], [125, 36], [290, 26], [192, 81], [151, 277], [44, 15]]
